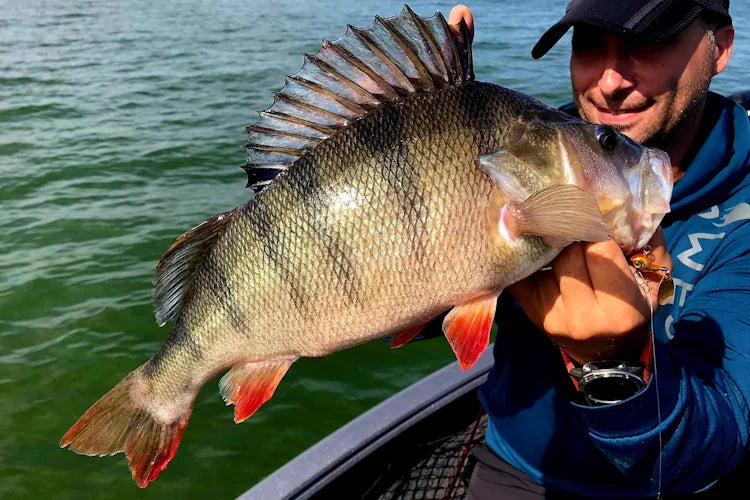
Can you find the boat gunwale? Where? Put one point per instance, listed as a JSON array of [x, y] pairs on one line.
[[315, 468]]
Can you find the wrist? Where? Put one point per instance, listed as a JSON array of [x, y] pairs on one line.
[[640, 367], [609, 381], [624, 347]]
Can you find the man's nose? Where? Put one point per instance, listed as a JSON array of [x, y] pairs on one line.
[[615, 77]]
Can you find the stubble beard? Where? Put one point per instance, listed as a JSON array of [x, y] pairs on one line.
[[673, 131], [672, 124]]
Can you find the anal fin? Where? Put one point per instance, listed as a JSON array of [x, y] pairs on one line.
[[467, 328], [249, 385]]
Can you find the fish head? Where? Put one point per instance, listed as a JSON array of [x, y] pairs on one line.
[[632, 184]]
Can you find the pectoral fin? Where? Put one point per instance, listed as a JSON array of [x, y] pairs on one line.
[[560, 214], [467, 328]]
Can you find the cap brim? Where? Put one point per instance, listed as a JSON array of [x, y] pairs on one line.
[[662, 26], [550, 38]]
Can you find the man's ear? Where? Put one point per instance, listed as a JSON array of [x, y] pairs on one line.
[[724, 44]]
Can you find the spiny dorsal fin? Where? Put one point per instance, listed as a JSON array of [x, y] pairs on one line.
[[177, 267], [362, 71]]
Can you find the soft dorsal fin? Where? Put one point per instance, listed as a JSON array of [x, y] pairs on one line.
[[178, 265], [362, 71]]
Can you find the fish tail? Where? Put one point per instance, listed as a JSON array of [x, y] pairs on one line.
[[120, 421]]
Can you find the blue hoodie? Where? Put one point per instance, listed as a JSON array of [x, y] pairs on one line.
[[702, 356]]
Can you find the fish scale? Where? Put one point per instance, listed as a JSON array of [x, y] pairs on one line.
[[391, 187], [451, 196]]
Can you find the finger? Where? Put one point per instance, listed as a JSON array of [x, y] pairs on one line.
[[573, 277], [659, 249], [539, 297], [459, 12], [605, 263], [613, 281], [553, 313]]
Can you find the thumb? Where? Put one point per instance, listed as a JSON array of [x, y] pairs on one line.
[[458, 13]]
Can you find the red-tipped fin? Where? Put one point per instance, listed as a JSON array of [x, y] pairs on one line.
[[117, 423], [467, 328], [560, 214], [250, 385], [406, 336]]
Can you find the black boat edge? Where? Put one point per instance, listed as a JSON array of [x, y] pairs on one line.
[[449, 390]]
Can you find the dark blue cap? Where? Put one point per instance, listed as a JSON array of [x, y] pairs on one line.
[[649, 21]]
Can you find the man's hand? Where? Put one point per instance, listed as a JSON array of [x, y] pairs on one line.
[[590, 303], [461, 12]]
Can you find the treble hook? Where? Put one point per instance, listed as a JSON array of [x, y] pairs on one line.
[[643, 262]]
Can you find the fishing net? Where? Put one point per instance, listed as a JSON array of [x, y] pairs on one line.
[[429, 460], [444, 471]]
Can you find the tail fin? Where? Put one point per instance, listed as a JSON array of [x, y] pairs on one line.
[[118, 422]]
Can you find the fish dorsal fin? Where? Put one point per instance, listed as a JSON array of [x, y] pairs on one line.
[[178, 266], [362, 71]]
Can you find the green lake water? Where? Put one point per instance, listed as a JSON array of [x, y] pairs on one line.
[[121, 126]]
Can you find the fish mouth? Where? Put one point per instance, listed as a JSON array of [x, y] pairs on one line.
[[650, 185], [661, 167], [655, 192]]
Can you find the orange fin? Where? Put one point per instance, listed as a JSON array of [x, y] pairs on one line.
[[250, 385], [117, 424], [406, 336], [467, 328]]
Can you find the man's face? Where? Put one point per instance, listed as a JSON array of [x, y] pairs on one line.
[[644, 91]]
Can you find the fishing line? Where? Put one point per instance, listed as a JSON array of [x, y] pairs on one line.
[[644, 283], [656, 387]]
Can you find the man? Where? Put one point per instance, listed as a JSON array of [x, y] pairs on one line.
[[643, 67]]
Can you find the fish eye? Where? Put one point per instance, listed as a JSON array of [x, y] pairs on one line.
[[607, 137]]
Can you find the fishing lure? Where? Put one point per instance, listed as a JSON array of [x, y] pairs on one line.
[[643, 262]]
